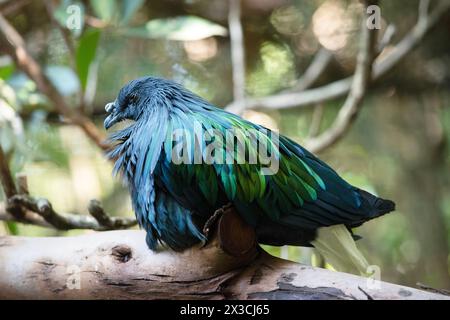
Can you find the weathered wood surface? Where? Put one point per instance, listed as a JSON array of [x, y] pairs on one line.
[[118, 265]]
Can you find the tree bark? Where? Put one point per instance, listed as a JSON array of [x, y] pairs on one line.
[[118, 265]]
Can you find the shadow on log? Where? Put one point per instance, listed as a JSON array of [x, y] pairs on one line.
[[118, 265]]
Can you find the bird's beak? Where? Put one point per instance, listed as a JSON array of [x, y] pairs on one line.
[[113, 117]]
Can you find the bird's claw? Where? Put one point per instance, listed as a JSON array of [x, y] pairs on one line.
[[211, 222]]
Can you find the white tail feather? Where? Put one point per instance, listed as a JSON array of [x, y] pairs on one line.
[[336, 245]]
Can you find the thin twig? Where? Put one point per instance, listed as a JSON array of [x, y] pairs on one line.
[[316, 121], [341, 87], [62, 221], [30, 218], [15, 47], [424, 6], [9, 187], [22, 183], [20, 207], [237, 50], [387, 38], [6, 178], [347, 114], [95, 22], [11, 7], [96, 210], [318, 65]]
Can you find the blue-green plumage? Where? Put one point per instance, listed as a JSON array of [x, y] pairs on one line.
[[172, 201]]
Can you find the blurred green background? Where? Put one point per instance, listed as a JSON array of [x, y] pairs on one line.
[[397, 148]]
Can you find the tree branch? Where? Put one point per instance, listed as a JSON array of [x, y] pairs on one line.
[[341, 87], [15, 47], [119, 265], [349, 111], [108, 223], [318, 65], [20, 207], [10, 7], [9, 187], [314, 128], [40, 212], [316, 68], [237, 50], [387, 38], [6, 178], [29, 218]]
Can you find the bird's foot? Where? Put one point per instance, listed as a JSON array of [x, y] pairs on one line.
[[227, 230], [212, 221]]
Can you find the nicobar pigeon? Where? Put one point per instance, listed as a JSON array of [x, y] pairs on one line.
[[304, 203]]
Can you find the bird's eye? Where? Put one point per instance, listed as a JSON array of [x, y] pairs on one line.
[[132, 99]]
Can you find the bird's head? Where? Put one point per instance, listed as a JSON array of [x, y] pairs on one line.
[[135, 99]]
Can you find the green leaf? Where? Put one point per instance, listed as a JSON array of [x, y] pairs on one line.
[[6, 71], [182, 28], [129, 8], [85, 54], [7, 67], [106, 10], [12, 228]]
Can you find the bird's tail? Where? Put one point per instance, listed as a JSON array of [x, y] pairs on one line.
[[336, 245]]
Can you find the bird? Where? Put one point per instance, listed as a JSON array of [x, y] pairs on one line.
[[175, 187]]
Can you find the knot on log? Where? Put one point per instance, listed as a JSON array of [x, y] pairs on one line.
[[122, 253]]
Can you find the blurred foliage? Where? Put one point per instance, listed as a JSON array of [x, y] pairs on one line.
[[62, 12], [183, 28], [389, 150], [85, 54], [274, 71]]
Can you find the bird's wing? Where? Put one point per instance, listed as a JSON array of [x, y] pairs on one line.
[[305, 192]]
